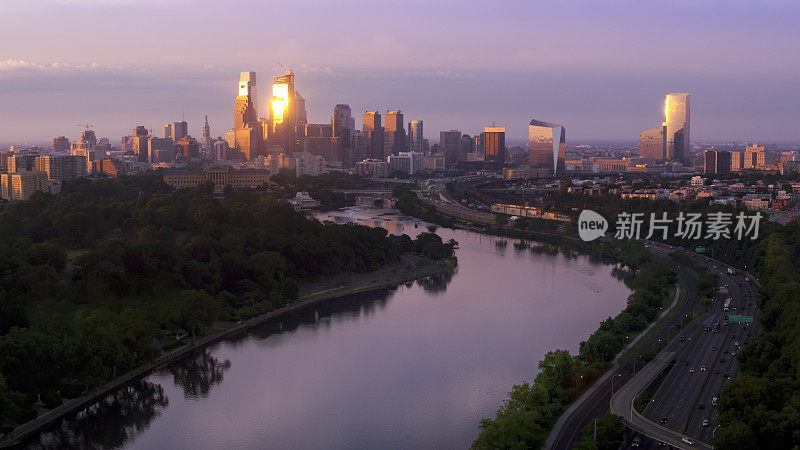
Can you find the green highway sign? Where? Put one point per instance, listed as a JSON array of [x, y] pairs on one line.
[[743, 319], [700, 250]]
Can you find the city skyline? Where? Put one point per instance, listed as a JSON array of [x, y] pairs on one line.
[[600, 83]]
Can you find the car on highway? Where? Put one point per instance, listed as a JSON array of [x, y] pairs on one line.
[[726, 375], [687, 363], [702, 368], [636, 441], [736, 343], [716, 371], [705, 422], [701, 405], [663, 421], [687, 441], [733, 353], [713, 348], [722, 360], [714, 401], [691, 369]]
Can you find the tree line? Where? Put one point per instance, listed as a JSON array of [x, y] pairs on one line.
[[99, 279]]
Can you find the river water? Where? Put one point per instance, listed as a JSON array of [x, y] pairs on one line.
[[417, 366]]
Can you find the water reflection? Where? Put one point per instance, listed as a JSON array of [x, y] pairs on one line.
[[197, 373], [111, 423]]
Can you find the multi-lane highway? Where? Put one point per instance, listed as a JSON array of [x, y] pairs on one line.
[[597, 402], [706, 361]]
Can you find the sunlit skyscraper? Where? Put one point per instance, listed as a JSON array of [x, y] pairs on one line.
[[450, 144], [394, 136], [547, 146], [676, 110], [493, 144]]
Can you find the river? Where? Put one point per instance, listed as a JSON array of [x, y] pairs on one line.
[[416, 366]]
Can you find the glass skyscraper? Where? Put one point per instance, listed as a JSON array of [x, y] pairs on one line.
[[547, 146], [676, 110], [493, 144]]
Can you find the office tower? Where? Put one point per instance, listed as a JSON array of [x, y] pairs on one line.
[[60, 144], [247, 88], [160, 150], [246, 136], [342, 124], [372, 136], [61, 167], [493, 141], [676, 109], [167, 131], [449, 144], [287, 111], [394, 136], [188, 148], [139, 142], [180, 130], [653, 143], [467, 145], [416, 140], [547, 146]]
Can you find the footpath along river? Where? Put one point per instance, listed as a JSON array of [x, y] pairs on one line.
[[415, 366]]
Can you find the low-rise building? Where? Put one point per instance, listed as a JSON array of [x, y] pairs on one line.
[[220, 177]]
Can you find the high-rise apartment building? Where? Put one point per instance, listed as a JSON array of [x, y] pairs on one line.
[[62, 167], [493, 144], [756, 157], [394, 133], [676, 108], [717, 162], [167, 131], [372, 136], [22, 185], [60, 144], [547, 146], [653, 143], [737, 161]]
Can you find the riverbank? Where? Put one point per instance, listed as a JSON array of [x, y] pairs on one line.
[[411, 267]]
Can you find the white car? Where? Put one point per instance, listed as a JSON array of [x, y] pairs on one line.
[[687, 441], [705, 422]]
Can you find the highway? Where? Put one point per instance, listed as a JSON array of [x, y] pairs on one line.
[[705, 362], [598, 403]]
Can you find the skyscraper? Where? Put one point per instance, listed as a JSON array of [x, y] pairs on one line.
[[167, 131], [372, 136], [676, 110], [246, 136], [394, 137], [416, 140], [61, 144], [180, 130], [449, 144], [547, 146], [493, 144], [284, 110], [653, 143], [467, 145]]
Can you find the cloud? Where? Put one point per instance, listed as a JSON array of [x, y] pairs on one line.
[[10, 65]]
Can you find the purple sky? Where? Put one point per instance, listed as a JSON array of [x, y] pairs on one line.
[[599, 67]]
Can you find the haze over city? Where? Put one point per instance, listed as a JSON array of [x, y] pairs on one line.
[[600, 69]]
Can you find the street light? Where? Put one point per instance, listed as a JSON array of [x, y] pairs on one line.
[[612, 383]]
